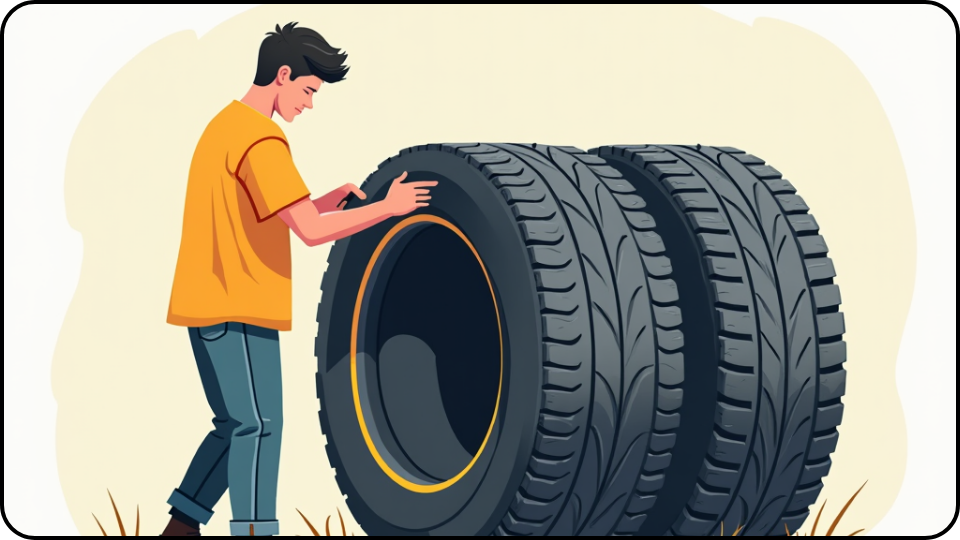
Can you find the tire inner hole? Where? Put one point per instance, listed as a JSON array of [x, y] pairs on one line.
[[432, 320]]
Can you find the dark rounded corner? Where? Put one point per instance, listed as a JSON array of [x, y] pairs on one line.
[[956, 509], [956, 30], [3, 28], [3, 510]]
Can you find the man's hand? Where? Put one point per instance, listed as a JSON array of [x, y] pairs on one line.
[[405, 198], [336, 199], [345, 191]]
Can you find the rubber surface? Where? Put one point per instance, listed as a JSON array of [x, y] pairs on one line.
[[593, 355], [777, 328]]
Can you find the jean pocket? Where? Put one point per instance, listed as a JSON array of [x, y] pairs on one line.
[[213, 332]]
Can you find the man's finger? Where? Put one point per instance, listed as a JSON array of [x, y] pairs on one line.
[[422, 205], [423, 198], [400, 178], [358, 192], [423, 183], [421, 190]]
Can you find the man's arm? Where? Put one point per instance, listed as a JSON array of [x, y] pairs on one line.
[[276, 188], [315, 228]]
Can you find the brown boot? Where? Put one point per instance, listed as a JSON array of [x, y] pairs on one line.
[[177, 528]]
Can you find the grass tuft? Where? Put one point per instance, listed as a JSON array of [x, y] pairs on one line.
[[343, 526], [116, 513], [123, 530], [813, 531]]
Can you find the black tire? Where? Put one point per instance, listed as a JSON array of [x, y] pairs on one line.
[[775, 329], [577, 272]]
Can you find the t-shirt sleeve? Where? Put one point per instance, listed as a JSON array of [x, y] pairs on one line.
[[271, 179]]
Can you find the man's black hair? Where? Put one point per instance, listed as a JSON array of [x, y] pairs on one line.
[[306, 53]]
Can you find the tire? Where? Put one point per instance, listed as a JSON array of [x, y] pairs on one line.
[[580, 295], [734, 228]]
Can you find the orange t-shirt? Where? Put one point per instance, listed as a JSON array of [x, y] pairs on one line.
[[234, 262]]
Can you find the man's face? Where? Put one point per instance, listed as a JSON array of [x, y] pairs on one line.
[[297, 95]]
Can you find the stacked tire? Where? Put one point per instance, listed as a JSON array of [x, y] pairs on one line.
[[626, 341]]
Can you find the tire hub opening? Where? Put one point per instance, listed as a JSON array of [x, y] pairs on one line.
[[428, 385]]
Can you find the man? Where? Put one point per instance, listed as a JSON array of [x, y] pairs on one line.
[[232, 286]]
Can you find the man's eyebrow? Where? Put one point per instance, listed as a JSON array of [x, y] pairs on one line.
[[312, 88]]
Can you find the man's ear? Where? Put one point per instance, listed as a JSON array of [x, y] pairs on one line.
[[283, 75]]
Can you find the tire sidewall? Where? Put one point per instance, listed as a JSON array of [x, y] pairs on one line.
[[477, 501]]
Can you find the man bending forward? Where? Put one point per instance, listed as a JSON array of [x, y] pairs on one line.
[[232, 286]]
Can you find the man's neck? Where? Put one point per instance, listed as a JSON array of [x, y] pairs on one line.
[[261, 99]]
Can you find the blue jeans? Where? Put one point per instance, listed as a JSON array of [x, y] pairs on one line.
[[240, 371]]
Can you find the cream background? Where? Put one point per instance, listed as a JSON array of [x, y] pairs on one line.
[[510, 73]]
